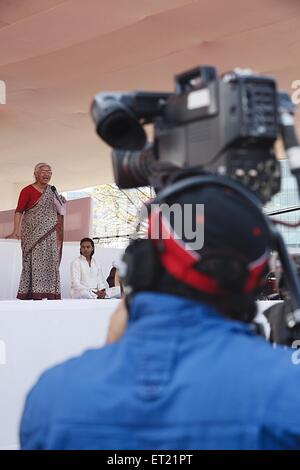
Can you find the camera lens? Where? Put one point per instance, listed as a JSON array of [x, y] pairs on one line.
[[132, 169]]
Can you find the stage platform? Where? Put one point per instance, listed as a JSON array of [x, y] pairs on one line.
[[35, 335]]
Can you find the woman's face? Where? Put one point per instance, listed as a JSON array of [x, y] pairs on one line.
[[43, 174]]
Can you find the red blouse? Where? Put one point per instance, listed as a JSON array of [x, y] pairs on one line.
[[28, 198]]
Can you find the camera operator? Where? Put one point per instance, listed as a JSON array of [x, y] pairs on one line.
[[188, 371]]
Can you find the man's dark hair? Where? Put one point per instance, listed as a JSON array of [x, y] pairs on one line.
[[236, 237], [236, 306]]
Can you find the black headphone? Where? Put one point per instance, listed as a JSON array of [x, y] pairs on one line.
[[141, 266]]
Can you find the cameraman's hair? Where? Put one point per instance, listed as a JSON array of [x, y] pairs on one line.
[[87, 239], [235, 306]]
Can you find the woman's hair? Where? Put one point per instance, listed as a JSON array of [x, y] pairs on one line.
[[38, 166], [87, 239]]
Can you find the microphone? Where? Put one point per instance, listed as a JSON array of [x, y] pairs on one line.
[[53, 188]]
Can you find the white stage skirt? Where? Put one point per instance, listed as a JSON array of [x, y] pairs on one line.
[[35, 335]]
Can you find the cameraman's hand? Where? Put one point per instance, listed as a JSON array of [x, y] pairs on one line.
[[118, 323]]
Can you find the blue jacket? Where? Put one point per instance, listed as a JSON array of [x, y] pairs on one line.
[[182, 377]]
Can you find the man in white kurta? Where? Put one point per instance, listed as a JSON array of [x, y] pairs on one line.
[[87, 280]]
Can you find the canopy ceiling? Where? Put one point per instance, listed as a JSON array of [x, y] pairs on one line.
[[55, 55]]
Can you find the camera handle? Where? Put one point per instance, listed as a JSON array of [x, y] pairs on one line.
[[186, 81], [292, 279]]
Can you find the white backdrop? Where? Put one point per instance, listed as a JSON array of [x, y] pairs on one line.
[[35, 335], [11, 264]]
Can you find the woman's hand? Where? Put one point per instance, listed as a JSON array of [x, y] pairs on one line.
[[13, 235], [16, 227]]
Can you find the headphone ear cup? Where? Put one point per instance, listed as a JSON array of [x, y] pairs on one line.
[[141, 266]]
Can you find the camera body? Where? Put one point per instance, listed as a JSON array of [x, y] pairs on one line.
[[226, 125]]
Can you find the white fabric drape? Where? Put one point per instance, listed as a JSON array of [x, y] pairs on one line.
[[11, 264]]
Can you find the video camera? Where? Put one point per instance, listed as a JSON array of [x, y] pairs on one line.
[[225, 125], [211, 125]]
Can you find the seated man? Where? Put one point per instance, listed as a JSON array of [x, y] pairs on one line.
[[188, 372], [87, 281]]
